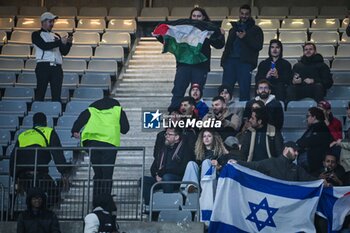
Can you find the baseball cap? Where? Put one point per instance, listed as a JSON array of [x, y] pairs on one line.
[[324, 104], [47, 15], [292, 144]]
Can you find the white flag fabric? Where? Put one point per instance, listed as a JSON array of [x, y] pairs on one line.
[[249, 201], [206, 200]]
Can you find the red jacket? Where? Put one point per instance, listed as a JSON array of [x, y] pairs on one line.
[[335, 129]]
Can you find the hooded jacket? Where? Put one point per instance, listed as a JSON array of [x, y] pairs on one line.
[[315, 68], [283, 67], [37, 221], [274, 109], [251, 44]]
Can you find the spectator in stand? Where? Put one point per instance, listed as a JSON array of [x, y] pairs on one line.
[[169, 164], [209, 151], [344, 153], [188, 106], [226, 91], [37, 218], [347, 122], [276, 70], [274, 107], [240, 57], [331, 171], [49, 48], [311, 76], [314, 143], [195, 73], [196, 92], [230, 122], [261, 140], [333, 124]]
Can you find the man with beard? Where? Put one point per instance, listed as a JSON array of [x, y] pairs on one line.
[[276, 70], [230, 122], [274, 107], [201, 107], [311, 76]]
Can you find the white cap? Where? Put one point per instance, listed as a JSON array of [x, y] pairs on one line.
[[47, 15]]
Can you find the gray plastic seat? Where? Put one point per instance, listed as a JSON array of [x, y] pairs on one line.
[[122, 13], [91, 25], [86, 93], [153, 14], [7, 23], [26, 80], [268, 36], [8, 11], [341, 65], [19, 93], [293, 37], [216, 13], [64, 25], [107, 52], [92, 12], [327, 51], [83, 52], [65, 122], [7, 79], [279, 12], [30, 11], [234, 13], [122, 25], [74, 66], [11, 65], [343, 51], [341, 79], [27, 122], [21, 37], [28, 24], [344, 25], [339, 106], [5, 137], [8, 122], [3, 37], [15, 51], [191, 203], [320, 24], [300, 106], [9, 149], [53, 109], [116, 38], [333, 11], [70, 80], [338, 93], [64, 12], [292, 51], [103, 66], [86, 38], [179, 13], [96, 80], [166, 201], [66, 138], [345, 39], [308, 12], [14, 108], [178, 216], [295, 25], [268, 24], [75, 107]]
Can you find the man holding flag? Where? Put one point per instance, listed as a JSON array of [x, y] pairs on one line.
[[190, 40]]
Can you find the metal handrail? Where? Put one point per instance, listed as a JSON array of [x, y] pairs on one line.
[[172, 182], [2, 188], [89, 150]]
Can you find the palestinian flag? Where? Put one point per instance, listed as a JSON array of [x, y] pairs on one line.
[[184, 38]]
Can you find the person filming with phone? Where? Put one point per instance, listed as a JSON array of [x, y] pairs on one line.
[[49, 49]]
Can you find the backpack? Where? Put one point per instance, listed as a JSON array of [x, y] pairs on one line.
[[107, 222]]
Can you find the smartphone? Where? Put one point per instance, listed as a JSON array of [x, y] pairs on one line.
[[273, 65]]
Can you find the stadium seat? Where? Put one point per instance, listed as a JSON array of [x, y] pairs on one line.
[[308, 12], [116, 38], [122, 13], [8, 11], [268, 24], [96, 80], [5, 137], [234, 13], [64, 94], [8, 122], [29, 66], [11, 65], [325, 37], [330, 25], [7, 24], [153, 14], [344, 39], [339, 106], [65, 122], [9, 149], [27, 122], [70, 80], [103, 66], [268, 36], [327, 51], [166, 201], [214, 78], [226, 24], [178, 216], [216, 13], [275, 12], [15, 51], [180, 13], [191, 203], [74, 66], [64, 25], [333, 11], [294, 122], [87, 94], [300, 107], [7, 79], [339, 92], [19, 93], [91, 25], [105, 52], [92, 12], [26, 80], [293, 37], [53, 109], [86, 38], [83, 52], [75, 107], [295, 25], [3, 37], [21, 37], [343, 51], [14, 108], [344, 24], [292, 51], [64, 12], [28, 24], [341, 79], [122, 25], [66, 138], [31, 11], [340, 65]]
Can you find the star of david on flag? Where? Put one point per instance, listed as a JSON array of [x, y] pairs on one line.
[[264, 206]]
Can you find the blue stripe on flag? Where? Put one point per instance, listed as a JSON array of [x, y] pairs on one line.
[[269, 186], [215, 227], [206, 214]]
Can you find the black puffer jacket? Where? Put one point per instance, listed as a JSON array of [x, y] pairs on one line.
[[315, 68], [251, 44], [37, 221]]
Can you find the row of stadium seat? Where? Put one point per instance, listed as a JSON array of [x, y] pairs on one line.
[[176, 12]]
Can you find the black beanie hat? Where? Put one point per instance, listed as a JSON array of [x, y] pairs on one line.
[[227, 87], [39, 119], [196, 85]]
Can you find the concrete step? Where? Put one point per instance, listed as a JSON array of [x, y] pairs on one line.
[[134, 89], [149, 66], [137, 81], [153, 61], [147, 75], [145, 95], [153, 70], [154, 56]]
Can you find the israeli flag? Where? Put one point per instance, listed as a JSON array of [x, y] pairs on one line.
[[249, 201], [206, 200], [334, 205]]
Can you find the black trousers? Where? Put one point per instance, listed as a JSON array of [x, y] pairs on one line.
[[103, 174], [46, 74], [297, 92]]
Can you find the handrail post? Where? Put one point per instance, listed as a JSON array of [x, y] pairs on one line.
[[89, 180], [35, 166], [13, 183]]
